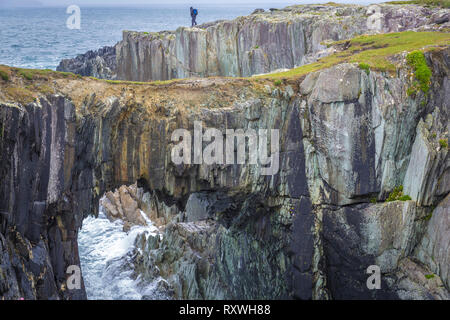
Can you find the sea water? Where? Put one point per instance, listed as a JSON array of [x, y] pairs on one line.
[[106, 256], [39, 38]]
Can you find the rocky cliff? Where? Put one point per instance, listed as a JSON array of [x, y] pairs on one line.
[[256, 44], [350, 139], [100, 64]]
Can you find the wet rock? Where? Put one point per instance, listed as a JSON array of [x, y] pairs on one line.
[[124, 204]]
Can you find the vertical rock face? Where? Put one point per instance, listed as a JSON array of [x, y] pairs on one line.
[[383, 235], [309, 231], [341, 124], [256, 44], [42, 190]]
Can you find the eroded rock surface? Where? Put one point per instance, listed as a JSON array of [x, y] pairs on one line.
[[434, 247], [100, 64], [309, 231], [134, 206]]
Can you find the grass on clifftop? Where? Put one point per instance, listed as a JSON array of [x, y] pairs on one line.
[[428, 3], [371, 51], [32, 74], [417, 61], [24, 85], [4, 73]]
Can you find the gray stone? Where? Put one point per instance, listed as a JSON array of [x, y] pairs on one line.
[[433, 250], [197, 207]]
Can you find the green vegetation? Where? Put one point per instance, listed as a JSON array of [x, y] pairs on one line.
[[34, 74], [373, 200], [365, 67], [44, 89], [429, 276], [332, 4], [374, 51], [428, 216], [411, 91], [443, 143], [417, 61], [21, 95], [370, 52], [26, 74], [397, 195], [428, 3], [4, 75]]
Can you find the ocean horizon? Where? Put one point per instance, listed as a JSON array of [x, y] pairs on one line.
[[38, 38]]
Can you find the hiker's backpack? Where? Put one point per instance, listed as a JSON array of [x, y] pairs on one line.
[[195, 12]]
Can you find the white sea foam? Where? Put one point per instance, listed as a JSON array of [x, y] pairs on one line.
[[106, 264]]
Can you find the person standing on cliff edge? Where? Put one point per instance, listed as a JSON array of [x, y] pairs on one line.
[[194, 13]]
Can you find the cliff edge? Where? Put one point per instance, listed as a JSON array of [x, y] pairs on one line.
[[256, 44]]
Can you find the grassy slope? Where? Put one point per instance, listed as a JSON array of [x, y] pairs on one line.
[[370, 51], [431, 3], [373, 50], [25, 85]]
